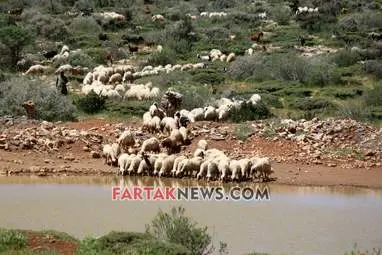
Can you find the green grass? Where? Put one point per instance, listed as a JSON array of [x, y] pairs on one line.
[[12, 240]]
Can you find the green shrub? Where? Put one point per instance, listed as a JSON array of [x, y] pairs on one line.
[[90, 103], [97, 54], [247, 66], [243, 131], [374, 67], [176, 228], [116, 242], [127, 108], [85, 26], [206, 76], [166, 56], [323, 73], [154, 247], [374, 97], [292, 68], [354, 109], [11, 240], [250, 112], [194, 96], [345, 58], [281, 14], [308, 104], [271, 100], [49, 104], [81, 59]]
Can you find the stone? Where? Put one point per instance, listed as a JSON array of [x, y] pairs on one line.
[[95, 154]]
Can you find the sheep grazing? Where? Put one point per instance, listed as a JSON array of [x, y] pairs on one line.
[[126, 140], [158, 17], [231, 57], [147, 164], [210, 113], [261, 166], [135, 161], [154, 125], [167, 166], [254, 100], [115, 78], [171, 145], [168, 124], [198, 114], [256, 37], [152, 144], [63, 69], [37, 70], [188, 167], [110, 152], [123, 163]]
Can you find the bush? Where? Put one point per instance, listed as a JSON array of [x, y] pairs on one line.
[[374, 97], [85, 26], [247, 66], [81, 59], [345, 58], [90, 103], [167, 56], [281, 14], [176, 228], [49, 104], [292, 68], [308, 104], [355, 109], [323, 73], [11, 240], [250, 112], [208, 77], [194, 96], [374, 67]]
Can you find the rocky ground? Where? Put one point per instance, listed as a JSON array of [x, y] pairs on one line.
[[316, 152]]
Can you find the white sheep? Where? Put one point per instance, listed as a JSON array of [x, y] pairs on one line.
[[202, 144], [177, 136], [64, 68], [158, 163], [176, 164], [147, 164], [154, 125], [107, 153], [128, 77], [231, 57], [135, 161], [255, 99], [224, 168], [184, 132], [157, 17], [223, 58], [198, 114], [126, 140], [199, 152], [171, 145], [146, 121], [115, 78], [88, 79], [261, 166], [168, 124], [203, 170], [124, 162], [37, 69], [151, 144], [167, 165], [189, 166], [212, 170], [210, 113], [245, 167]]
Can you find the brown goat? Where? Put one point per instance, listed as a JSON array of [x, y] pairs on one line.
[[256, 37]]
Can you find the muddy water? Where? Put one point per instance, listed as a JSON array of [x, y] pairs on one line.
[[296, 220]]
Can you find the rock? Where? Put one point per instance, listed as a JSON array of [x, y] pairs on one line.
[[95, 154], [370, 153], [332, 165], [69, 158], [85, 148]]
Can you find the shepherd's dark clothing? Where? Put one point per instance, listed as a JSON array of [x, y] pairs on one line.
[[61, 84]]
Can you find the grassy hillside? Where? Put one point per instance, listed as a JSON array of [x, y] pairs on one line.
[[344, 82]]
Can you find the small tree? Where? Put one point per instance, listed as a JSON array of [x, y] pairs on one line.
[[15, 38], [176, 228]]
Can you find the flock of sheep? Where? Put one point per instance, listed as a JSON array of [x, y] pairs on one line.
[[208, 164], [305, 9]]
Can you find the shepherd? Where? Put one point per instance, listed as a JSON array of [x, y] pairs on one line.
[[61, 82]]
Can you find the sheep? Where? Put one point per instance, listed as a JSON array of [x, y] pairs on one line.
[[210, 113], [249, 51], [261, 166], [167, 165], [159, 48], [204, 58], [223, 111], [37, 69], [202, 144], [108, 154], [135, 161], [231, 57], [223, 167], [245, 167], [88, 79], [151, 144], [126, 140], [168, 124], [255, 98], [146, 125], [212, 171], [128, 77], [198, 114], [158, 163], [186, 67], [154, 93], [171, 145], [203, 170], [158, 17], [262, 15], [199, 152], [154, 109], [184, 132], [223, 58], [120, 89], [64, 68], [115, 78], [176, 164], [147, 164], [124, 162], [189, 166], [198, 66], [154, 125], [64, 49], [177, 136]]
